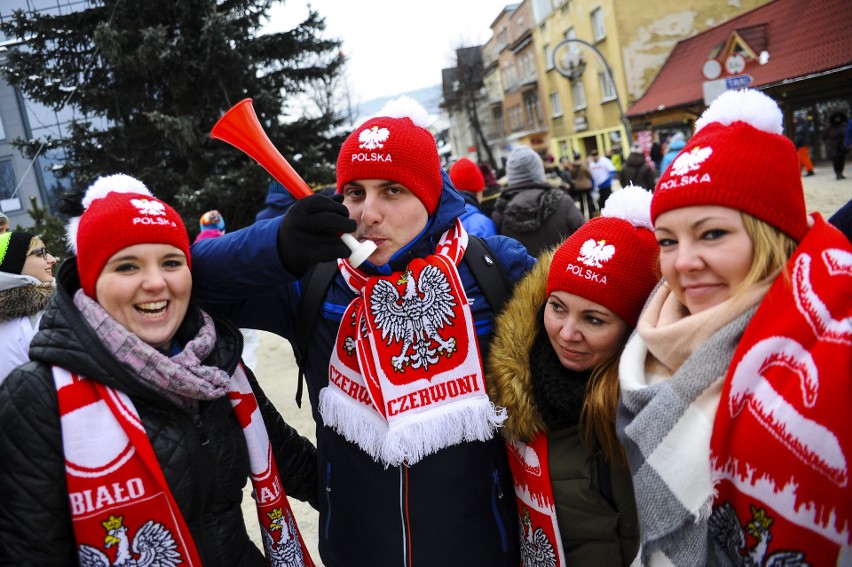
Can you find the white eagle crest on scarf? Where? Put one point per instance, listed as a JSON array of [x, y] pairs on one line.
[[415, 318]]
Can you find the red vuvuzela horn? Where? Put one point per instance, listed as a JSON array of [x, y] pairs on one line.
[[241, 128]]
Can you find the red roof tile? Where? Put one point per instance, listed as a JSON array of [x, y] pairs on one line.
[[803, 37]]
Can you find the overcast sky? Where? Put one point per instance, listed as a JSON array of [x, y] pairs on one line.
[[395, 46]]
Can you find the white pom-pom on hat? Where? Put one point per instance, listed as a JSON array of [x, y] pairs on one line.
[[632, 204], [403, 107], [747, 105], [103, 186]]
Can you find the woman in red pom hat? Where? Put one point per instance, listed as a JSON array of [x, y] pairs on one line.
[[554, 367], [736, 384], [130, 435]]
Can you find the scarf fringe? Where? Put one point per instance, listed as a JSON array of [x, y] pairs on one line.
[[417, 437]]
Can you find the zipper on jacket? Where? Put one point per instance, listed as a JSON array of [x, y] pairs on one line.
[[404, 515], [199, 425], [327, 500], [496, 503]]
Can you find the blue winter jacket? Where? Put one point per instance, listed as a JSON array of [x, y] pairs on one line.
[[453, 508], [474, 220], [674, 148]]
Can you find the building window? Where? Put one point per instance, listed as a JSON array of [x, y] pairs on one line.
[[555, 105], [578, 92], [548, 57], [573, 47], [532, 105], [516, 118], [2, 129], [598, 27], [607, 87], [7, 179]]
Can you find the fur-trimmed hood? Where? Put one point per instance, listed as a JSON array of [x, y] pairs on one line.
[[24, 301], [509, 375]]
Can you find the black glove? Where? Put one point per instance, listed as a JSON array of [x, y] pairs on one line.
[[310, 233]]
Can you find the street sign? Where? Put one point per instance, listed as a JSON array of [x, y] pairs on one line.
[[738, 81]]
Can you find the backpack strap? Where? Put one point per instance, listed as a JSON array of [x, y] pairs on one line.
[[488, 273], [316, 284]]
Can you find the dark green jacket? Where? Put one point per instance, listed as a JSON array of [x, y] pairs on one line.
[[595, 507]]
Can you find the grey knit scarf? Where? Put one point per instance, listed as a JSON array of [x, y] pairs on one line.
[[645, 417]]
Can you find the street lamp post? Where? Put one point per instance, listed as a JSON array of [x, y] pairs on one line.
[[573, 65]]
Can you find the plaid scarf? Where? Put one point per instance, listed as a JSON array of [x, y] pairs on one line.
[[405, 375]]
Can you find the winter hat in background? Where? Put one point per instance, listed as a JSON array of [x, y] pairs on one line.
[[119, 211], [14, 247], [738, 158], [524, 166], [466, 176], [395, 145], [212, 219], [488, 175], [612, 259]]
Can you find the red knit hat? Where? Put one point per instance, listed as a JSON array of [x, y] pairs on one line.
[[612, 259], [466, 176], [120, 212], [738, 158], [396, 146]]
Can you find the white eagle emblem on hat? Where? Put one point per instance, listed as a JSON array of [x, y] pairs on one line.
[[691, 160], [372, 138], [594, 252], [146, 207]]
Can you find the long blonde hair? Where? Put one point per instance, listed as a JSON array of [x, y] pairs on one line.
[[772, 249], [600, 404]]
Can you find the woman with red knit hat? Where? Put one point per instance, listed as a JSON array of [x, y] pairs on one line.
[[736, 384], [130, 435], [554, 367], [467, 178]]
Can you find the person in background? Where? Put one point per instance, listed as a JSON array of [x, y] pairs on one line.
[[842, 219], [131, 433], [603, 172], [803, 137], [636, 170], [212, 225], [492, 189], [4, 223], [26, 286], [615, 156], [413, 469], [554, 367], [468, 179], [656, 153], [675, 145], [584, 186], [530, 209], [834, 139], [736, 385], [564, 173]]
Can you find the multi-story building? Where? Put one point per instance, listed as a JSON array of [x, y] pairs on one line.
[[797, 52], [23, 179], [612, 50]]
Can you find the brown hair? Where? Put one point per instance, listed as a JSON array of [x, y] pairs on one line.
[[600, 404]]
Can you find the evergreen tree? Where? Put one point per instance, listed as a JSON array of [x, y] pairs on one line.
[[148, 80]]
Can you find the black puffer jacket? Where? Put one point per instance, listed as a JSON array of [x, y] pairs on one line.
[[538, 215], [204, 458]]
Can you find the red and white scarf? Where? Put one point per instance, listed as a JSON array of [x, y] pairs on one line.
[[781, 440], [121, 506], [405, 376], [541, 542]]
